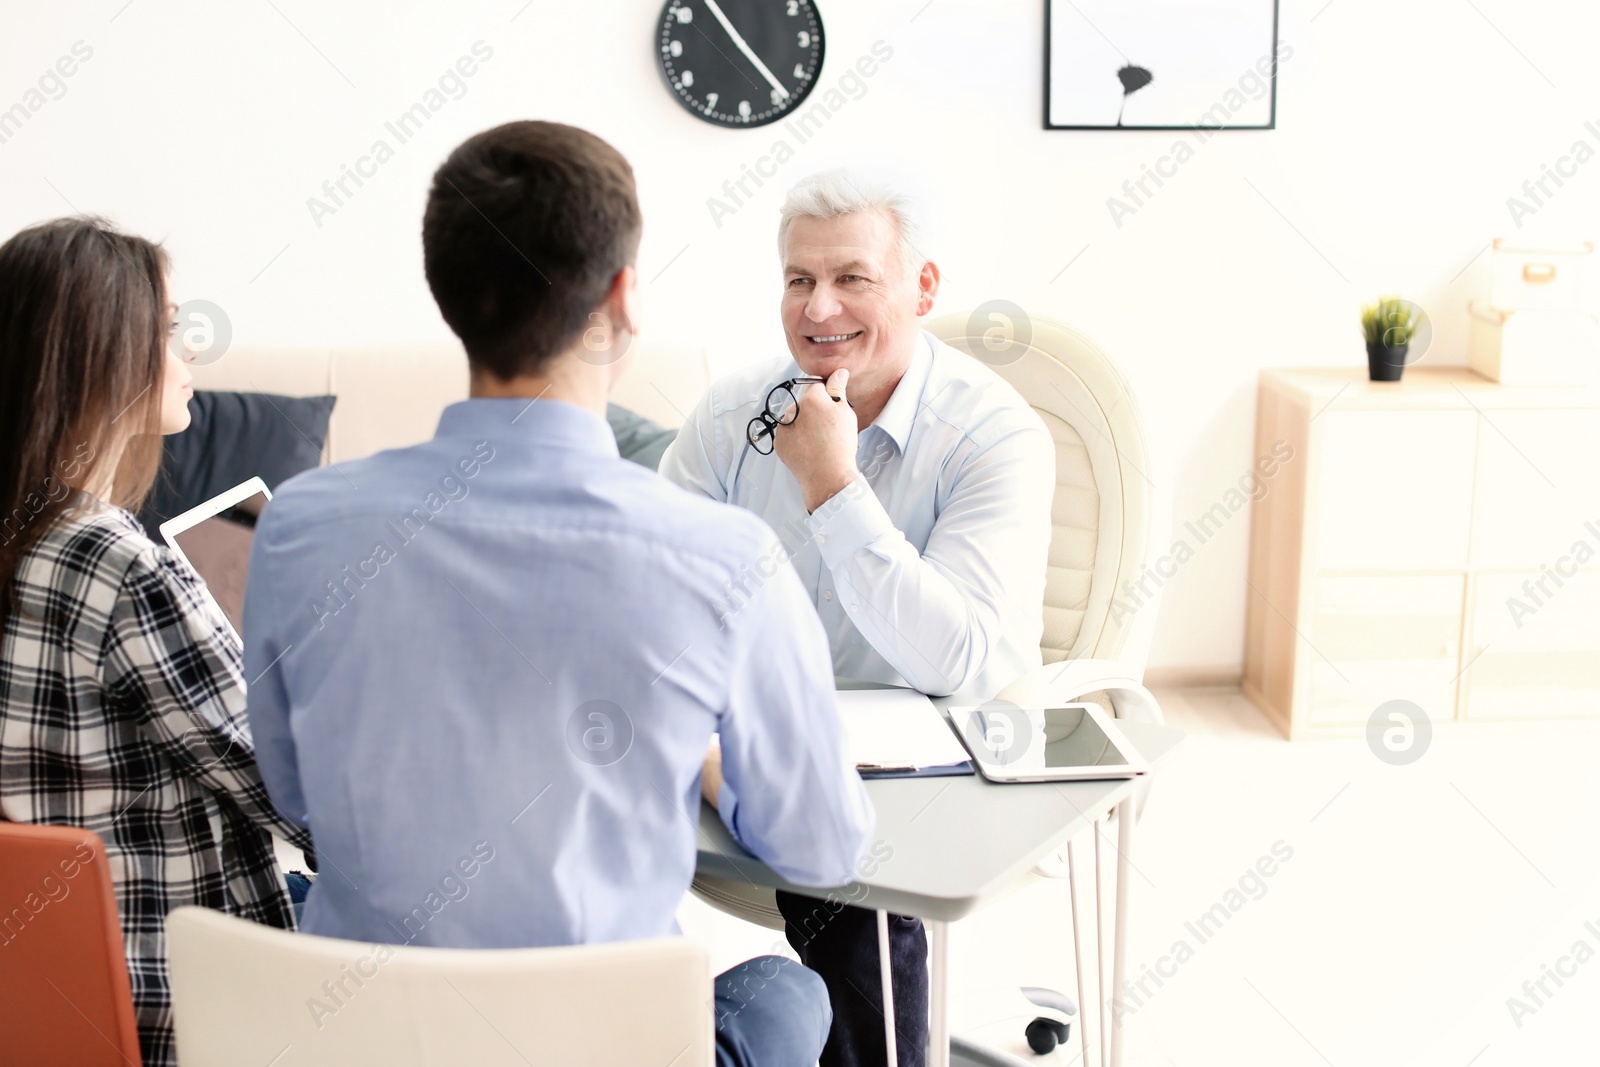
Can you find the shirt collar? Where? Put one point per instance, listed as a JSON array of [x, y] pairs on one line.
[[546, 422], [900, 412]]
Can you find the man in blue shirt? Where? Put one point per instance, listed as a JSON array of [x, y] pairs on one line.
[[486, 669]]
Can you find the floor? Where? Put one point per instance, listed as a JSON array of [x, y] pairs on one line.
[[1446, 912]]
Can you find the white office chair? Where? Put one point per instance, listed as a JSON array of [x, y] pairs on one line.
[[1096, 628], [244, 995]]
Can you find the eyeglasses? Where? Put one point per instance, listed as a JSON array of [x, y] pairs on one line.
[[783, 404]]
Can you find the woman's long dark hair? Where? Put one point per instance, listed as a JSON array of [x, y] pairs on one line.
[[83, 331]]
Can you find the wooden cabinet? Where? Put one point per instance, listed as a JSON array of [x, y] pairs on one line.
[[1435, 540]]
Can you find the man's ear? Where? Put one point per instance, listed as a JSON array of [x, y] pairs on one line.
[[622, 314], [622, 300], [927, 287]]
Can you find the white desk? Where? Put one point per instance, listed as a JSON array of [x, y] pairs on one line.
[[961, 842]]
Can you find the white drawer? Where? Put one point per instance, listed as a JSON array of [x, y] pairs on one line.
[[1537, 652], [1379, 637]]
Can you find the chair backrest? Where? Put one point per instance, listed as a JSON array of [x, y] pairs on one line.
[[1101, 512], [64, 997], [391, 396], [242, 994]]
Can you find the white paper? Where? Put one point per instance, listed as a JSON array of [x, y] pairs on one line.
[[894, 728]]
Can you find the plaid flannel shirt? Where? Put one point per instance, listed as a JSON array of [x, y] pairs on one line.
[[122, 710]]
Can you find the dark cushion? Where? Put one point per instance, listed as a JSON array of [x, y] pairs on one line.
[[638, 438], [232, 437]]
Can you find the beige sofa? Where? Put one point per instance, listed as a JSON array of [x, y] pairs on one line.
[[391, 396]]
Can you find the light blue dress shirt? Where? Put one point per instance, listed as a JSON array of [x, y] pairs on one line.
[[485, 671], [929, 569]]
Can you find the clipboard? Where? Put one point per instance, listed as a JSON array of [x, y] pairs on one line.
[[899, 733], [873, 771]]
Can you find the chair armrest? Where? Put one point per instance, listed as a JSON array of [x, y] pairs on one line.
[[1068, 680]]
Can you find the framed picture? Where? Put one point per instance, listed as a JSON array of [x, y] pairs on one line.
[[1161, 64]]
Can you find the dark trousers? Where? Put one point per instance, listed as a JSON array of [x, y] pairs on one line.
[[770, 1012], [842, 946]]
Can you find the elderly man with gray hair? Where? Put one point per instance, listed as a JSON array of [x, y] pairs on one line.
[[911, 489]]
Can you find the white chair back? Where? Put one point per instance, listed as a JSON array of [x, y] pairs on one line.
[[245, 995], [1104, 493]]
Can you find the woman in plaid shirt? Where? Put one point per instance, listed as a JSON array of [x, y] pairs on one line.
[[122, 699]]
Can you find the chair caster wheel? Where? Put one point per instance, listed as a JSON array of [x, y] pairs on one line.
[[1045, 1034]]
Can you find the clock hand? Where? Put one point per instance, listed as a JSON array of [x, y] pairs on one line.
[[716, 9]]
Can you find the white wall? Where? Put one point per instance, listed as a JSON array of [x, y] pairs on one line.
[[1403, 128]]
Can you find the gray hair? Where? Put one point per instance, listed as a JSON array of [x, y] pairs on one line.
[[829, 194]]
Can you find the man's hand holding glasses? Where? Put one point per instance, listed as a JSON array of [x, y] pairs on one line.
[[813, 434]]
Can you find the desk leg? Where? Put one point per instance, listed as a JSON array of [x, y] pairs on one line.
[[886, 977], [1126, 817], [1102, 1007], [939, 1000], [1087, 1030]]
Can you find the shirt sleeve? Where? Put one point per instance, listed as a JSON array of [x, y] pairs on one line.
[[171, 655], [264, 650], [937, 615], [789, 793], [695, 459]]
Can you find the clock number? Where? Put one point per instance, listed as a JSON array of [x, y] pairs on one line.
[[744, 109], [777, 96], [799, 71], [684, 14], [675, 49], [711, 101], [805, 39], [794, 8], [687, 79]]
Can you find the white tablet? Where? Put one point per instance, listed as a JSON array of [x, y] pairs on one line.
[[215, 540], [1072, 742]]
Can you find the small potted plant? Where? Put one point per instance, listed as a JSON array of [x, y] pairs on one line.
[[1388, 326]]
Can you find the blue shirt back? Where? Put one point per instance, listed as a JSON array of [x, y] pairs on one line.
[[485, 671]]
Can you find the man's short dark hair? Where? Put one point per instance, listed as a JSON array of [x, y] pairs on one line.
[[527, 224]]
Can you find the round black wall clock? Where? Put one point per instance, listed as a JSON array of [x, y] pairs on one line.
[[740, 62]]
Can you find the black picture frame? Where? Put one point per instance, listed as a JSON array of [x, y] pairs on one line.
[[1272, 91]]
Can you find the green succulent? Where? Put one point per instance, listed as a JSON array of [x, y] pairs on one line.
[[1390, 321]]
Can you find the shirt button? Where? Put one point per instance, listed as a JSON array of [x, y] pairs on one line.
[[821, 540], [827, 594], [854, 607]]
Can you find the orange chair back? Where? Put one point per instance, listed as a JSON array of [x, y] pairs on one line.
[[64, 997]]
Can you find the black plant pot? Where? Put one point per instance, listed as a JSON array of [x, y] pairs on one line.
[[1385, 362]]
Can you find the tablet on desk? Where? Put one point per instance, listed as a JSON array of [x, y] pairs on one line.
[[1069, 743], [215, 540]]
